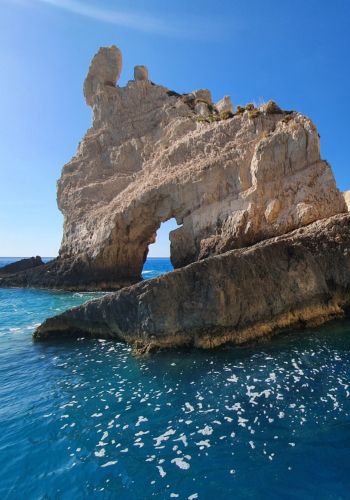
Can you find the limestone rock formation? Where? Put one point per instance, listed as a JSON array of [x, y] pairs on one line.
[[296, 280], [230, 180], [150, 156], [104, 70], [224, 105], [140, 73], [347, 199]]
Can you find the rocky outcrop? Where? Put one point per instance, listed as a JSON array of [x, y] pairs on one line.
[[21, 265], [229, 179], [296, 280], [347, 199], [67, 274], [141, 73], [104, 71], [152, 154]]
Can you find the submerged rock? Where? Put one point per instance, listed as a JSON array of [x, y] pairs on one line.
[[296, 280], [153, 154]]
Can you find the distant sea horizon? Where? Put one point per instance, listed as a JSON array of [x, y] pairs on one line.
[[152, 267], [4, 260]]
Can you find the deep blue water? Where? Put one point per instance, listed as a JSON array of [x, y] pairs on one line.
[[85, 419]]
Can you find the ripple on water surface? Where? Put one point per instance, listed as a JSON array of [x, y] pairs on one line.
[[85, 419]]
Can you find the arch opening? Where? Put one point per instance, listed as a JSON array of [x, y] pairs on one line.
[[158, 257]]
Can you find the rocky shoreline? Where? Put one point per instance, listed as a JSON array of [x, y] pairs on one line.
[[298, 280], [20, 266], [264, 239], [66, 274]]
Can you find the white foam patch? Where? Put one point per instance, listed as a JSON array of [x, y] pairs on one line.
[[163, 437], [204, 443], [162, 472], [180, 462], [100, 453], [206, 431], [189, 407], [108, 464], [183, 439], [140, 420], [242, 421]]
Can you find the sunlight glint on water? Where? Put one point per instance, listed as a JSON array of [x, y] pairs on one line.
[[85, 419]]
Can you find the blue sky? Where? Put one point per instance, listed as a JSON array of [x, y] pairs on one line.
[[293, 51]]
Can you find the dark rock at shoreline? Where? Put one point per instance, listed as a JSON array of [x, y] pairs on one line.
[[21, 265], [291, 281], [65, 274]]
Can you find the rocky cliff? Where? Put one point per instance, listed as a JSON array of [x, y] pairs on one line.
[[230, 179], [296, 280]]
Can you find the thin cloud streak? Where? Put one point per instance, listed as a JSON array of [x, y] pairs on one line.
[[139, 22]]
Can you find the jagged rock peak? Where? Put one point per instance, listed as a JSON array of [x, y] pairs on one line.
[[224, 105], [105, 69]]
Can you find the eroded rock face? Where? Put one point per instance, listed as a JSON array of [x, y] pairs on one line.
[[297, 280], [224, 105], [230, 180], [140, 73], [104, 71], [347, 199], [152, 154]]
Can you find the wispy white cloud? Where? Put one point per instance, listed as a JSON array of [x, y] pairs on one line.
[[140, 22]]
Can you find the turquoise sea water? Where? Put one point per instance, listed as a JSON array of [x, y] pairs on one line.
[[85, 419]]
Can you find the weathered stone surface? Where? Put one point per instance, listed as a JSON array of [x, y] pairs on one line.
[[297, 280], [152, 154], [347, 199], [21, 265], [67, 274], [140, 73], [224, 105], [147, 158], [202, 95], [104, 71], [202, 108]]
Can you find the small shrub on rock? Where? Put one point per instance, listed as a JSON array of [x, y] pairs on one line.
[[271, 108], [253, 114], [225, 115]]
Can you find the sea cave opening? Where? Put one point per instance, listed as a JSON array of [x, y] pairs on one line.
[[158, 258]]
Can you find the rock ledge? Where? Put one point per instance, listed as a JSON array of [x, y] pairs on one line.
[[292, 281]]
